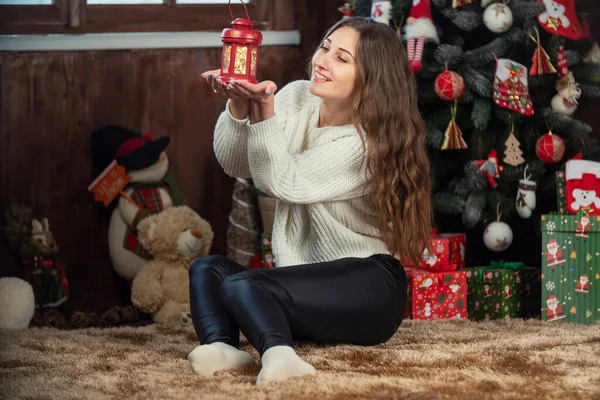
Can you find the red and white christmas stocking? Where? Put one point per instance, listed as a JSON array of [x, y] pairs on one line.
[[560, 18], [511, 88], [582, 184]]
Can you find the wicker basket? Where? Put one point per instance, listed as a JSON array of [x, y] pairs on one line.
[[266, 206], [243, 232]]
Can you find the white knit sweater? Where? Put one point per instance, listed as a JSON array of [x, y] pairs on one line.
[[314, 173]]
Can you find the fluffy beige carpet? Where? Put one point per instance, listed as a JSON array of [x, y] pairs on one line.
[[448, 359]]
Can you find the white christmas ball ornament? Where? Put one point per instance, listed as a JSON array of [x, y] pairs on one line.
[[498, 18], [497, 236]]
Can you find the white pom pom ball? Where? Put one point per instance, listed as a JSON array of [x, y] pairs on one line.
[[498, 18], [17, 304], [558, 104], [497, 236]]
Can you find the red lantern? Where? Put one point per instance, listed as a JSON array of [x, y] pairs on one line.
[[239, 57]]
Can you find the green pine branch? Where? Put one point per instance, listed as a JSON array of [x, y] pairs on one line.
[[465, 18], [447, 203], [362, 8], [449, 54], [524, 10], [482, 113], [474, 207], [585, 72], [477, 81], [473, 177], [435, 137], [590, 90]]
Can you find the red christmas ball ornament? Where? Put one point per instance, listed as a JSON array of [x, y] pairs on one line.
[[449, 86], [550, 148]]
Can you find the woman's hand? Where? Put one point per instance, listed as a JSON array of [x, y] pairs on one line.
[[239, 106], [261, 95], [239, 89], [246, 98], [260, 92]]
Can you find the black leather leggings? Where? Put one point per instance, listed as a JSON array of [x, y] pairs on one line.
[[354, 300]]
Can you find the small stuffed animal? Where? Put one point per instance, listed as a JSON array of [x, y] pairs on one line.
[[42, 236], [174, 237], [42, 268], [35, 249]]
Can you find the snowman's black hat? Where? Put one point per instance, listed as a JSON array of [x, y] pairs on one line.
[[132, 149]]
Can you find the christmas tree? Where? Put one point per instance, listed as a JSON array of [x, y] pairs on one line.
[[499, 83]]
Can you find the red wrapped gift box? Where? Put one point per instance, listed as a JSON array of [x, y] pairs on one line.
[[448, 252], [436, 295]]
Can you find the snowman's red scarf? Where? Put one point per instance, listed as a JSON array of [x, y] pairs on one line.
[[148, 196]]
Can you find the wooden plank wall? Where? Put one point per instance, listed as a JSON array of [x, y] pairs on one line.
[[53, 101]]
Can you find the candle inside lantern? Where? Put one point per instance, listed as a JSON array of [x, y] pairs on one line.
[[239, 57]]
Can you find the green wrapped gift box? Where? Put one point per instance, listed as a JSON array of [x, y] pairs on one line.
[[570, 268], [502, 290]]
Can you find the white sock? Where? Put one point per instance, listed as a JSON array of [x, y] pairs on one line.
[[206, 359], [282, 362]]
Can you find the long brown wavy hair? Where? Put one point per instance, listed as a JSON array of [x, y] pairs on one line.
[[385, 107]]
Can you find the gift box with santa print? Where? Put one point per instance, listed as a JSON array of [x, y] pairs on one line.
[[570, 268], [436, 295], [447, 252], [501, 290], [266, 251]]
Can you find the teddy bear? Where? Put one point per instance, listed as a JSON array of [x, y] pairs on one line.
[[174, 237], [150, 188], [555, 11]]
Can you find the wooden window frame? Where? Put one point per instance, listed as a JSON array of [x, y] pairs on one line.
[[76, 17], [42, 15]]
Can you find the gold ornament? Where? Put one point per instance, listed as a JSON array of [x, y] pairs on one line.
[[240, 60], [460, 3], [226, 58], [553, 23], [453, 139]]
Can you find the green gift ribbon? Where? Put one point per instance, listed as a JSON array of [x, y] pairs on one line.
[[514, 265]]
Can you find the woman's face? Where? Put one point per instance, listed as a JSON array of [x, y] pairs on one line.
[[334, 66]]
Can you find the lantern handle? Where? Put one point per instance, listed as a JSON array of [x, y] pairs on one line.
[[231, 13]]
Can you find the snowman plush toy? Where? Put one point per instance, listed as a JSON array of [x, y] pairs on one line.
[[150, 188]]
